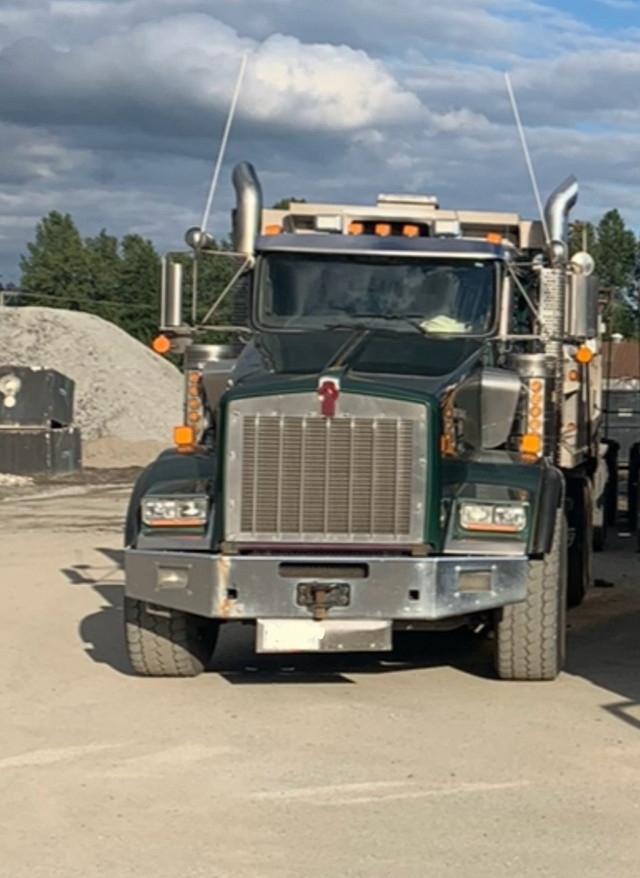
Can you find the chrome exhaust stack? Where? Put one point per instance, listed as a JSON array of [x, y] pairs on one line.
[[248, 212], [171, 295], [556, 216]]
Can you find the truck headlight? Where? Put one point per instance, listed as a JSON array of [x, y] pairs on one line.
[[185, 511], [492, 517]]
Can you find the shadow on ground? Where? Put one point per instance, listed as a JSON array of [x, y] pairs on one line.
[[603, 642], [236, 660]]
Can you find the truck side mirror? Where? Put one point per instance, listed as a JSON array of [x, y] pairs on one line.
[[582, 306], [581, 317], [489, 400]]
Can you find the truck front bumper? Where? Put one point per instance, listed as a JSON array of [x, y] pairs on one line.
[[249, 587]]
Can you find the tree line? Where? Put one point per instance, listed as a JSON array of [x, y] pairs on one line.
[[119, 280], [617, 256]]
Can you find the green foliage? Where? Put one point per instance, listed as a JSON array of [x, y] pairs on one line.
[[583, 236], [139, 282], [616, 252], [617, 256], [56, 271], [119, 280], [103, 256], [214, 271], [285, 203]]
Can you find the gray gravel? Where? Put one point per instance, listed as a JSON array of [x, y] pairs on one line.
[[123, 389]]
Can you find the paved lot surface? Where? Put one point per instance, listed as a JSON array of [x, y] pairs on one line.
[[419, 765]]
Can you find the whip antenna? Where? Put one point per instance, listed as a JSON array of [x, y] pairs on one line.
[[527, 158], [223, 145]]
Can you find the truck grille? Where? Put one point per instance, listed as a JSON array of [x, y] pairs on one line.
[[350, 478]]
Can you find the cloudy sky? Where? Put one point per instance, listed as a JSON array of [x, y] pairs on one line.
[[112, 109]]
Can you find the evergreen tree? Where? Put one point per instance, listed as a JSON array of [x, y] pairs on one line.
[[214, 272], [138, 288], [285, 203], [583, 236], [56, 271], [616, 269], [616, 252], [105, 268]]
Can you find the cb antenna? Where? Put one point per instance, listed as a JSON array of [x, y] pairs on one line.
[[527, 158], [223, 147]]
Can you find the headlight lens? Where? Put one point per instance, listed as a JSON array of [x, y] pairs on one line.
[[175, 511], [493, 518]]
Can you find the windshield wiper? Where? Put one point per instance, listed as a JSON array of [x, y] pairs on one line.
[[392, 318]]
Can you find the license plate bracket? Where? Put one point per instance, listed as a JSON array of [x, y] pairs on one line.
[[322, 596]]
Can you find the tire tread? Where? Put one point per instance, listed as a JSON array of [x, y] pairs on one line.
[[163, 642], [530, 636]]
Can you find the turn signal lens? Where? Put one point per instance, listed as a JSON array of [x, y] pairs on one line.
[[161, 344], [584, 355], [494, 238], [410, 231], [383, 229], [272, 230], [530, 444], [183, 436], [356, 228]]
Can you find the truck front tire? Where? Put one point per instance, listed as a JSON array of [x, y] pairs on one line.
[[162, 642], [530, 636]]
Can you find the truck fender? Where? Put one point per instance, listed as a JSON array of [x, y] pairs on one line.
[[169, 466], [551, 497]]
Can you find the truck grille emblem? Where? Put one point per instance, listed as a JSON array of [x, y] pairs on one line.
[[328, 393]]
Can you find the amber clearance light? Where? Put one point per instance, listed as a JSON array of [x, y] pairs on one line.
[[161, 345]]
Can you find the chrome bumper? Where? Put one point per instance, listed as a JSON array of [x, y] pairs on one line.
[[249, 587]]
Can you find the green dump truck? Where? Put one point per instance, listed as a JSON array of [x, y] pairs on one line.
[[407, 439]]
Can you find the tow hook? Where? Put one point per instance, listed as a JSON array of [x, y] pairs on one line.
[[319, 597]]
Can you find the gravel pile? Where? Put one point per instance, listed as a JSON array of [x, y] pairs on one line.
[[123, 390]]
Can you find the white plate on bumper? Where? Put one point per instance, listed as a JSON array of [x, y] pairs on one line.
[[330, 635]]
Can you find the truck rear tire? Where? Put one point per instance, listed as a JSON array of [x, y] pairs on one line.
[[162, 642], [530, 636]]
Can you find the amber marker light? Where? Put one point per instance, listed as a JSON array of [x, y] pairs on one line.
[[356, 228], [583, 355], [383, 229], [530, 444], [161, 345], [184, 437]]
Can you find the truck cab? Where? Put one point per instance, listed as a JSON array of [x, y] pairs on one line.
[[389, 451]]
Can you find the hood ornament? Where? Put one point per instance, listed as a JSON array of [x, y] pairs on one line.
[[328, 393]]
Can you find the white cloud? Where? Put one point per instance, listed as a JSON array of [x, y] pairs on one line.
[[112, 109]]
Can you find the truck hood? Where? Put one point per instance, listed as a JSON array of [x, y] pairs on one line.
[[406, 361]]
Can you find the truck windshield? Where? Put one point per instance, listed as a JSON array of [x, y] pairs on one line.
[[311, 291]]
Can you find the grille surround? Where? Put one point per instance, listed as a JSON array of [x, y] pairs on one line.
[[293, 476]]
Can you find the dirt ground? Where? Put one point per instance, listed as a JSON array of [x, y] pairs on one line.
[[417, 764]]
